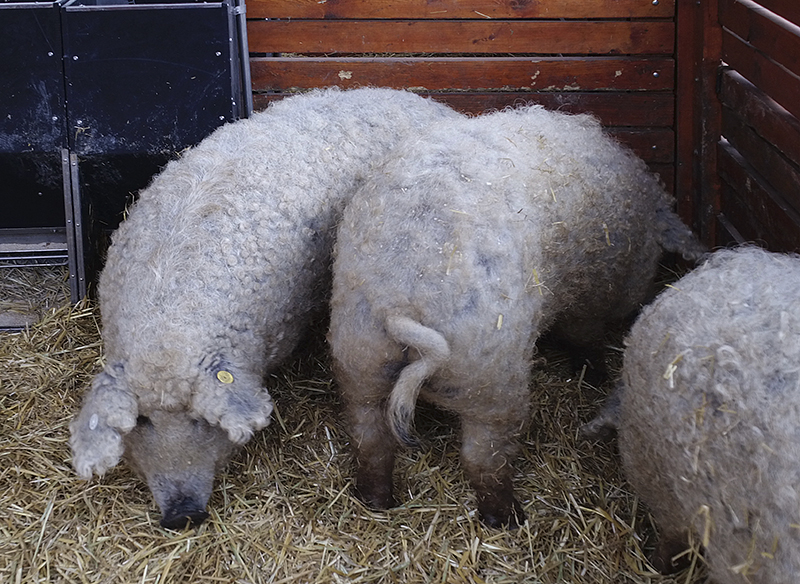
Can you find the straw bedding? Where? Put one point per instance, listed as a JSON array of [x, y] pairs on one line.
[[283, 511]]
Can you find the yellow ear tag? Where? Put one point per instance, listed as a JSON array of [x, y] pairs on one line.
[[225, 376]]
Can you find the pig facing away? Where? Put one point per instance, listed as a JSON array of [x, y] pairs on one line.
[[214, 278], [709, 415], [473, 239]]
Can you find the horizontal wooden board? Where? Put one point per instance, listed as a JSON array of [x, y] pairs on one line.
[[476, 9], [611, 108], [751, 207], [788, 9], [460, 37], [772, 122], [765, 32], [653, 145], [432, 74], [764, 73], [782, 176]]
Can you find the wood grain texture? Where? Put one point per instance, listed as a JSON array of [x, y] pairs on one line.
[[762, 71], [765, 159], [749, 205], [483, 36], [432, 74], [763, 31], [788, 9], [467, 9], [758, 110]]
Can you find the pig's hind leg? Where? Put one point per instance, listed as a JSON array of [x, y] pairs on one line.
[[365, 394], [490, 443]]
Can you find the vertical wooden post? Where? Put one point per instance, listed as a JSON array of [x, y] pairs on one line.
[[697, 110]]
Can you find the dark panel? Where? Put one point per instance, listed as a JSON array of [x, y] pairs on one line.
[[32, 116], [110, 183], [146, 78], [31, 191]]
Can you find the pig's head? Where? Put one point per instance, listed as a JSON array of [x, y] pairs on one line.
[[178, 456], [177, 449]]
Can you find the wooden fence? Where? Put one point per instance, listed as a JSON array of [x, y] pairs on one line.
[[614, 58], [708, 94], [758, 154]]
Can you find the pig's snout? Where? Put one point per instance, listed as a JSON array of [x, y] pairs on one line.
[[183, 513]]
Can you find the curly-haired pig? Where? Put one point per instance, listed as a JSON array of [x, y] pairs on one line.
[[708, 416], [452, 259], [215, 276]]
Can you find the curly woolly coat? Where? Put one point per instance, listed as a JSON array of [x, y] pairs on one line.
[[224, 259], [709, 425], [472, 240]]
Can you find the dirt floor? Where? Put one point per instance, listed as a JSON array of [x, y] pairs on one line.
[[283, 511]]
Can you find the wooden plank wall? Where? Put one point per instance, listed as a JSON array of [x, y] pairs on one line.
[[758, 155], [615, 58]]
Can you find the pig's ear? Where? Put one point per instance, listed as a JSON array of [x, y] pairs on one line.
[[232, 400], [109, 411]]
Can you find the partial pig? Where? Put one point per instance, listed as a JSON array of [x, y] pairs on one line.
[[472, 240], [214, 278], [709, 416]]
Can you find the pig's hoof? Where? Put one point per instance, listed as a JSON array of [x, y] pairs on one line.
[[379, 500], [668, 557], [509, 517]]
